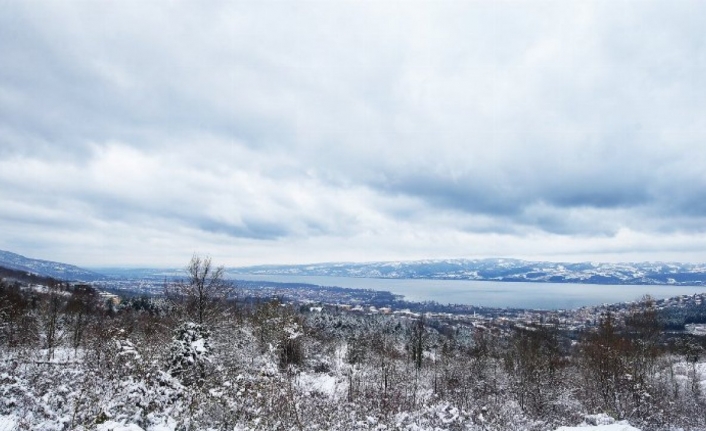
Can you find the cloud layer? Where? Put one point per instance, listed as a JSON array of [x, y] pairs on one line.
[[268, 132]]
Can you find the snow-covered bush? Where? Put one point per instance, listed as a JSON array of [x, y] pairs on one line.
[[269, 367], [189, 353]]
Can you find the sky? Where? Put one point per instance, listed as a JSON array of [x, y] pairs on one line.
[[138, 133]]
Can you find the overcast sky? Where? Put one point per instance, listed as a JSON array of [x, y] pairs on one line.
[[138, 133]]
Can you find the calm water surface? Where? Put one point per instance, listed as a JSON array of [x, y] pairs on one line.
[[492, 293]]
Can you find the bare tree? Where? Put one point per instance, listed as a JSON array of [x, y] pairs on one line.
[[52, 310], [17, 324], [204, 290], [536, 365], [80, 308]]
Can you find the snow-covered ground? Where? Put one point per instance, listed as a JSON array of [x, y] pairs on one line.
[[9, 423], [277, 368], [620, 426], [600, 422]]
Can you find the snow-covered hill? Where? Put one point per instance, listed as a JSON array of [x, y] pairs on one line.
[[495, 269], [61, 271], [501, 270]]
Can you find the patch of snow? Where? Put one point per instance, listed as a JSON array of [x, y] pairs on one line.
[[117, 426], [617, 426], [8, 423], [320, 383], [162, 427], [696, 329], [293, 331], [199, 346]]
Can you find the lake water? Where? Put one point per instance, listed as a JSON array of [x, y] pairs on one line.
[[493, 293]]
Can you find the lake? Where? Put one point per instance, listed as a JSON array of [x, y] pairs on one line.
[[549, 296]]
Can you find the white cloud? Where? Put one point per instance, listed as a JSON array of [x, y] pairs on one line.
[[303, 131]]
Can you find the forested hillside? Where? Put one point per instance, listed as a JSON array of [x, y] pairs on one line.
[[195, 359]]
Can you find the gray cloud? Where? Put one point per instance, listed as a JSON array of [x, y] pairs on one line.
[[255, 229], [317, 131]]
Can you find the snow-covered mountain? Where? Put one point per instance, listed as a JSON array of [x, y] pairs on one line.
[[501, 270], [60, 271], [495, 269]]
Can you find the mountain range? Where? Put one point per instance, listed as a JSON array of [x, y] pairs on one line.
[[493, 269], [498, 269], [47, 268]]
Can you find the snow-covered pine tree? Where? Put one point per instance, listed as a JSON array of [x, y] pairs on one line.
[[189, 353]]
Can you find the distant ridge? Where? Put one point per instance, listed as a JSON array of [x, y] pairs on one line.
[[46, 268], [499, 269], [492, 269]]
